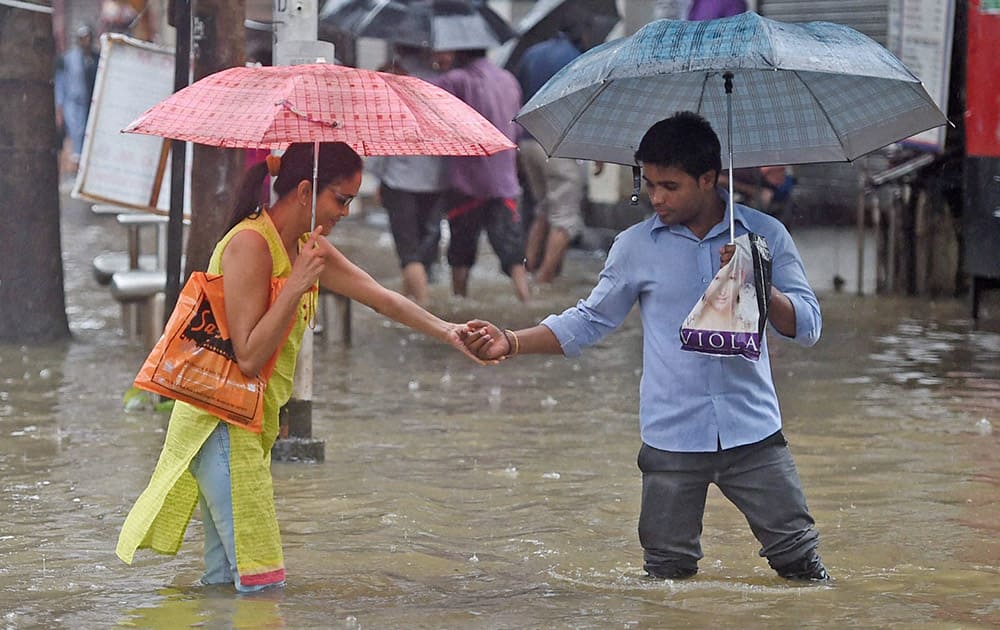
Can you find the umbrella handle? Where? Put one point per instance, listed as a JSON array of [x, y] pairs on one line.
[[636, 185]]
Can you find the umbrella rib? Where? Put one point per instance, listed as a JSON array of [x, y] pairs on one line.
[[822, 109], [701, 95], [285, 103], [604, 85]]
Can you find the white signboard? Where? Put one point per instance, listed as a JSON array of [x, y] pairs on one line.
[[920, 34], [121, 168]]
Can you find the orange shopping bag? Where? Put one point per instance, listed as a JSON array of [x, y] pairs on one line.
[[193, 361]]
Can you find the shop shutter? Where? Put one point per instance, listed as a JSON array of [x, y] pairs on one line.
[[871, 17]]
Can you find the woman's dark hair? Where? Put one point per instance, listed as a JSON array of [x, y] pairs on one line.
[[337, 162], [685, 141]]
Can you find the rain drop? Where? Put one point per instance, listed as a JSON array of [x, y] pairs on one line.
[[549, 402], [984, 427], [496, 395], [414, 386]]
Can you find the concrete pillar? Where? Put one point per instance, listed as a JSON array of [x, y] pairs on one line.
[[296, 24], [296, 27]]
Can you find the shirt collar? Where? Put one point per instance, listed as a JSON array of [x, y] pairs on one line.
[[657, 224]]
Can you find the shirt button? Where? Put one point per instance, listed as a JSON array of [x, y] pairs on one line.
[[704, 280]]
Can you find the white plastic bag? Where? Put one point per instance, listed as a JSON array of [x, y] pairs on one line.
[[730, 317]]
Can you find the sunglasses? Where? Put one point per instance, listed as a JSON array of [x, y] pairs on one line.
[[344, 200]]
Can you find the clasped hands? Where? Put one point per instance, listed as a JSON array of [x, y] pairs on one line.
[[486, 342]]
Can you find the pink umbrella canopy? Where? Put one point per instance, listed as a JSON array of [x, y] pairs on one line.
[[272, 106]]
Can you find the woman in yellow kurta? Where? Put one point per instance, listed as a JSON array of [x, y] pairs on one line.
[[226, 469]]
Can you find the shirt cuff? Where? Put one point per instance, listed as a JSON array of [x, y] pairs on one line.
[[567, 340], [806, 329]]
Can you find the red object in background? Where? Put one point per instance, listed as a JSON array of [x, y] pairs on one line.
[[982, 109]]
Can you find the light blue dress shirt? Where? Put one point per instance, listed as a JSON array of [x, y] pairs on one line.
[[690, 402]]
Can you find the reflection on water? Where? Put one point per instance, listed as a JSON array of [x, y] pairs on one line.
[[459, 496]]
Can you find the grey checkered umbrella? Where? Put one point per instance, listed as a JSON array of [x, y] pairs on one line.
[[801, 93]]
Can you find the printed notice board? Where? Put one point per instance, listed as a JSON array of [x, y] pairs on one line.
[[920, 34], [124, 168]]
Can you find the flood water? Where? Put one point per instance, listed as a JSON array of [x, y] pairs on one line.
[[458, 496]]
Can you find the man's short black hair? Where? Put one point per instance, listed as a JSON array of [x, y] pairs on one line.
[[685, 141]]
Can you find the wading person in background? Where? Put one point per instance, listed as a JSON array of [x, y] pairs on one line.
[[225, 468], [76, 73], [485, 193], [557, 185], [703, 419], [412, 192]]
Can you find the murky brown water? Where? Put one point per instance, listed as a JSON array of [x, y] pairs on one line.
[[456, 496]]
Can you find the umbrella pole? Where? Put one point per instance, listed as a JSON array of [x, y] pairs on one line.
[[728, 76], [315, 178]]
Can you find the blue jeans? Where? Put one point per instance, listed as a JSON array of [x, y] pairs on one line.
[[211, 468]]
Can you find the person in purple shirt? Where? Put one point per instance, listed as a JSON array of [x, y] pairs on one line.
[[703, 419], [712, 9], [485, 190]]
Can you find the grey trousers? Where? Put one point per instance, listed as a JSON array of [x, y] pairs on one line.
[[760, 479]]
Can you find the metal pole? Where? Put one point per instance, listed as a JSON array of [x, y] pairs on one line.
[[729, 141], [312, 223], [178, 152], [880, 265], [862, 191], [296, 26]]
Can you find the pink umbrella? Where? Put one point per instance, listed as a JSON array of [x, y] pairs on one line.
[[272, 106]]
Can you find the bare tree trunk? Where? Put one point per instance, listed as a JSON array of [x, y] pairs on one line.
[[32, 302], [216, 173]]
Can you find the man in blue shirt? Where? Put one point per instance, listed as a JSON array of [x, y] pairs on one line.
[[703, 419]]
